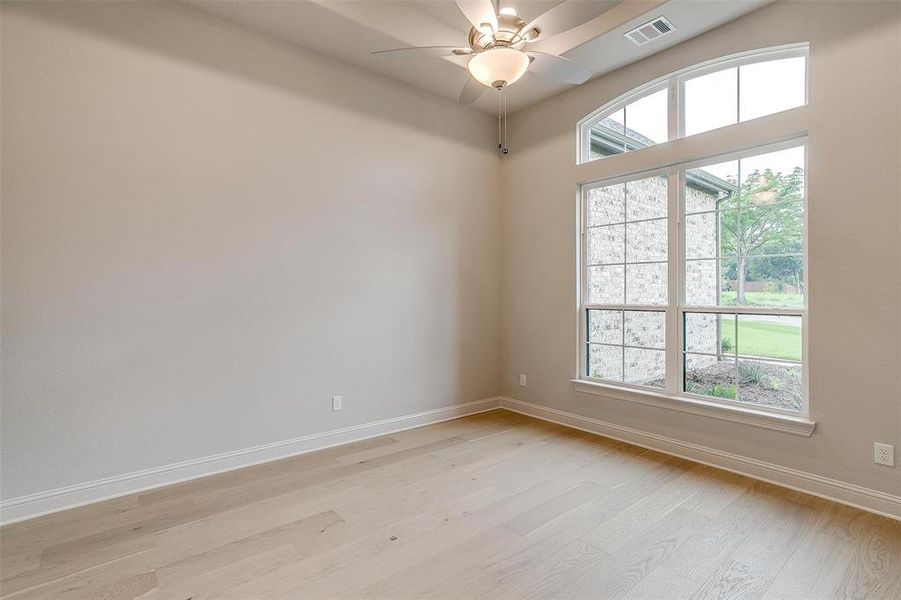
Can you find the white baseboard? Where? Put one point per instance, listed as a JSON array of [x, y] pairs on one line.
[[857, 496], [42, 503], [50, 501]]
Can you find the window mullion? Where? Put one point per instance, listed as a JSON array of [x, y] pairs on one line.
[[582, 321], [673, 333], [674, 124]]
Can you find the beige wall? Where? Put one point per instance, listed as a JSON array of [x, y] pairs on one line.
[[854, 242], [205, 235]]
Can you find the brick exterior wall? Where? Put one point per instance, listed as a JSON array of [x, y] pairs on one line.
[[647, 284]]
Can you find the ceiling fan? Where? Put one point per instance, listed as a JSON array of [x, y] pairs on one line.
[[499, 46]]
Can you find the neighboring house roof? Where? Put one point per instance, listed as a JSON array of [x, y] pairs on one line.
[[607, 138]]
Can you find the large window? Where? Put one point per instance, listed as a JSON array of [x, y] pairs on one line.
[[698, 99], [736, 296], [693, 272]]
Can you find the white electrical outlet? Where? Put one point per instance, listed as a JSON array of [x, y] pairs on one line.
[[337, 403], [522, 380], [885, 454]]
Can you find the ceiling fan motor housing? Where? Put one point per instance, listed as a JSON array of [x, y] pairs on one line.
[[509, 33]]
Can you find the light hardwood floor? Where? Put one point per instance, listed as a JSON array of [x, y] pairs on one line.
[[491, 506]]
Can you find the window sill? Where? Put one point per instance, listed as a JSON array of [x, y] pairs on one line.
[[748, 416]]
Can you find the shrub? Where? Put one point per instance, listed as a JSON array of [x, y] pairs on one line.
[[722, 391], [726, 345], [751, 372]]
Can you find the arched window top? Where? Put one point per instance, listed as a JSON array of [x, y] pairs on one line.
[[715, 94]]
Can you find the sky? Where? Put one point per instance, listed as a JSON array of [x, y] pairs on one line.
[[781, 161]]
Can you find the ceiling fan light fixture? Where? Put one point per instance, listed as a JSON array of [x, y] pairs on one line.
[[508, 10], [498, 67]]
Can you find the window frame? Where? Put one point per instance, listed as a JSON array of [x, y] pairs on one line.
[[799, 142], [675, 82], [672, 395]]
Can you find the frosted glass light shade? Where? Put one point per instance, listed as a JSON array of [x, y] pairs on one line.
[[499, 66]]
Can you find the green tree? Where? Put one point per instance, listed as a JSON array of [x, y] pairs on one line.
[[769, 221]]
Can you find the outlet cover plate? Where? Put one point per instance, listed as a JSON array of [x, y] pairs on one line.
[[884, 454]]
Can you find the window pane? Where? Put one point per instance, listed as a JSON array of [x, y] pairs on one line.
[[773, 229], [645, 367], [605, 326], [710, 333], [701, 235], [606, 205], [639, 124], [645, 329], [606, 244], [770, 384], [772, 177], [701, 283], [770, 336], [615, 121], [728, 293], [605, 285], [646, 284], [772, 86], [728, 233], [646, 198], [605, 362], [771, 281], [711, 187], [773, 379], [607, 137], [646, 241], [647, 120], [710, 376], [768, 370], [711, 101]]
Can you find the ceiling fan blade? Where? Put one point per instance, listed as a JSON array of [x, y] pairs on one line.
[[471, 91], [478, 12], [558, 68], [566, 15], [428, 50]]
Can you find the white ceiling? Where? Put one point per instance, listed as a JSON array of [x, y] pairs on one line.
[[349, 30]]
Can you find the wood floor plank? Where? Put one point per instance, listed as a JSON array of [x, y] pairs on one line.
[[636, 559], [752, 567], [93, 582], [496, 505], [334, 575], [709, 548], [874, 570], [815, 568]]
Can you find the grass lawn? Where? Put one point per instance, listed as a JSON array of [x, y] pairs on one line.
[[764, 299], [766, 340]]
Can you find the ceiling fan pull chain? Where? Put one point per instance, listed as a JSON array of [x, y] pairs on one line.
[[499, 145], [505, 150]]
